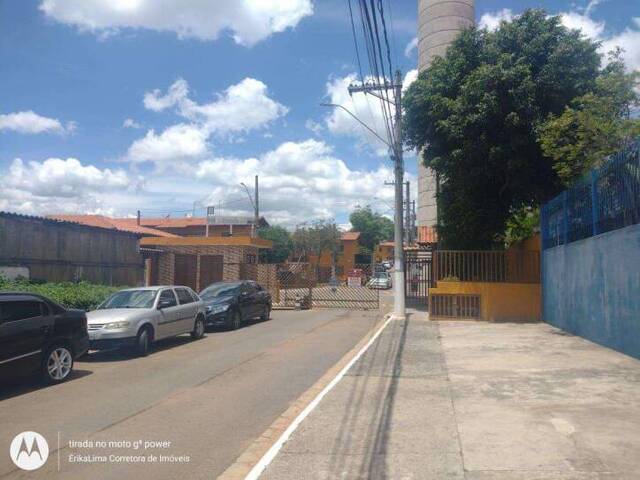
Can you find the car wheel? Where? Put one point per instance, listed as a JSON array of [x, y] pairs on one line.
[[267, 314], [143, 342], [235, 320], [198, 329], [57, 364]]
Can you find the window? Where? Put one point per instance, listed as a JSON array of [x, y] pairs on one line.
[[250, 287], [194, 295], [130, 299], [14, 311], [184, 296], [168, 296]]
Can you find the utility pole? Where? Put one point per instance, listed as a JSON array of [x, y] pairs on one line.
[[408, 212], [257, 204], [396, 153]]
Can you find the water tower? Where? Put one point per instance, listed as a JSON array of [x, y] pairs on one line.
[[439, 22]]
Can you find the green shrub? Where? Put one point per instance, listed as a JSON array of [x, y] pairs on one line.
[[82, 295]]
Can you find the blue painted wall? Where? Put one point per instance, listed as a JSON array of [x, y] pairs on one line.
[[591, 288]]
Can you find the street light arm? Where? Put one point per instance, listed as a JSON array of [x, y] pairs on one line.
[[248, 195], [359, 121]]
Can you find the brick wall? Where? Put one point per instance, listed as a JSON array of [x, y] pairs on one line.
[[232, 257]]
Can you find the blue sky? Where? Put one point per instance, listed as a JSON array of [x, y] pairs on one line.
[[114, 106]]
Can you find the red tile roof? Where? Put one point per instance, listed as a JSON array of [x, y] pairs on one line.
[[170, 222], [350, 236], [125, 225]]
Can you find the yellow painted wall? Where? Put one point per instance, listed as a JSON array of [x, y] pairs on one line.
[[346, 259], [499, 302]]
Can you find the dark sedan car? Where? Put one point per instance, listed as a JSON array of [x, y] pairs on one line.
[[230, 304], [38, 335]]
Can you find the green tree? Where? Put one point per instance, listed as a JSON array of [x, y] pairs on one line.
[[373, 227], [320, 236], [477, 112], [282, 244], [522, 224], [595, 125]]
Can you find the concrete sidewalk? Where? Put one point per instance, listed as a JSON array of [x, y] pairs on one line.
[[466, 400]]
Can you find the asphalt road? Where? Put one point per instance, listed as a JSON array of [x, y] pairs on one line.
[[202, 402]]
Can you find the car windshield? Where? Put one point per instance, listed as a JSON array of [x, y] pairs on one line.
[[220, 290], [381, 275], [130, 299]]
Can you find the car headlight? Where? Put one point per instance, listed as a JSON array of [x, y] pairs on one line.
[[116, 325], [217, 309]]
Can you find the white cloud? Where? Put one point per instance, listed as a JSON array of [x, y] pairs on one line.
[[589, 27], [411, 46], [629, 41], [409, 78], [248, 21], [491, 20], [313, 126], [31, 123], [178, 142], [131, 123], [176, 93], [241, 108], [366, 107], [58, 185], [298, 181]]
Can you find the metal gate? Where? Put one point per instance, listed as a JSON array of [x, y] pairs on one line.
[[319, 289], [418, 277]]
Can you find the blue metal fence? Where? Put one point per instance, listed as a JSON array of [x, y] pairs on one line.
[[606, 199]]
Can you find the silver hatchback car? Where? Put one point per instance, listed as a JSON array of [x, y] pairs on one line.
[[136, 317]]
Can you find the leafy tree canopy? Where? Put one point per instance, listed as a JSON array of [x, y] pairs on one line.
[[373, 227], [595, 125], [282, 244], [319, 236], [479, 112]]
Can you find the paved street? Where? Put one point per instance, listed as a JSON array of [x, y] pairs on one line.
[[207, 400]]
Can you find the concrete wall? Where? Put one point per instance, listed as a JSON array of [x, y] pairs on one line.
[[592, 288], [439, 23], [499, 302]]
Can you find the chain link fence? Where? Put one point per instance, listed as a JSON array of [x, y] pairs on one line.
[[302, 285]]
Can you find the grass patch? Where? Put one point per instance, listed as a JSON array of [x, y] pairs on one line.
[[82, 295]]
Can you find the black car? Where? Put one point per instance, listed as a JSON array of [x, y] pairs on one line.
[[38, 335], [229, 304]]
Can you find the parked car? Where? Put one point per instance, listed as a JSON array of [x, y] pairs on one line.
[[136, 317], [38, 335], [380, 280], [230, 304]]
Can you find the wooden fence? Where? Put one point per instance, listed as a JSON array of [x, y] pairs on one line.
[[57, 251]]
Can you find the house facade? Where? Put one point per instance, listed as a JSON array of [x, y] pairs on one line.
[[178, 252], [200, 261]]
